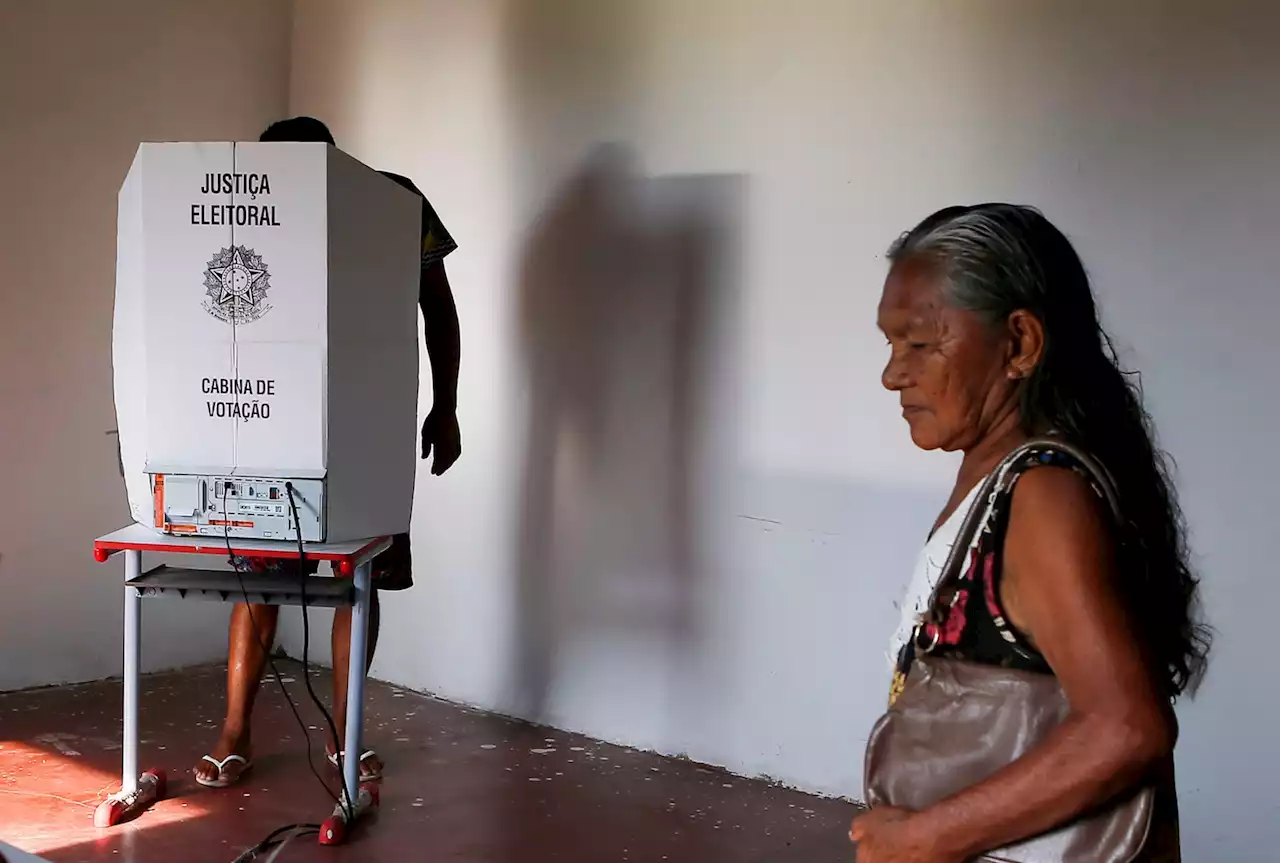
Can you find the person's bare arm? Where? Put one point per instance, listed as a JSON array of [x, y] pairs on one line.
[[440, 324], [1060, 588]]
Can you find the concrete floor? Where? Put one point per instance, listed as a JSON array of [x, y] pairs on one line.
[[460, 785]]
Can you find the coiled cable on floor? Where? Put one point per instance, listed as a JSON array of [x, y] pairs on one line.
[[275, 839]]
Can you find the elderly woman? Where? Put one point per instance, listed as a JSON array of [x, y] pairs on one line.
[[994, 339]]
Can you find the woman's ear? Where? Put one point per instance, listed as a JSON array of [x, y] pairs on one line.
[[1026, 337]]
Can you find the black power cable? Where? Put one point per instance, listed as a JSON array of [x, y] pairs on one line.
[[339, 799], [343, 798], [278, 840], [266, 648]]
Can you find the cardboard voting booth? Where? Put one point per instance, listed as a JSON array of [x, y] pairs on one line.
[[265, 342]]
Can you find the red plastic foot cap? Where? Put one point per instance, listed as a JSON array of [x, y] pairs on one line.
[[108, 813], [333, 831]]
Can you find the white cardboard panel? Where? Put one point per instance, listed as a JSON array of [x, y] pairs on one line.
[[280, 339], [285, 184], [284, 432], [374, 266], [373, 440], [128, 347], [375, 256], [307, 304], [179, 243], [188, 346], [186, 425]]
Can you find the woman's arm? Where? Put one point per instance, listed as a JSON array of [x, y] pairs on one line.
[[1060, 577]]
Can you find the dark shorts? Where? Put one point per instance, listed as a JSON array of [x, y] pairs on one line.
[[392, 570]]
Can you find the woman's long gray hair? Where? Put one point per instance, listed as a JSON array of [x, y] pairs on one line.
[[999, 258]]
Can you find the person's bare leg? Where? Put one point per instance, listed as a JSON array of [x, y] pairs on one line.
[[246, 659], [341, 645]]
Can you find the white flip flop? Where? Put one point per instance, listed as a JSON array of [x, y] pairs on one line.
[[222, 780], [365, 775]]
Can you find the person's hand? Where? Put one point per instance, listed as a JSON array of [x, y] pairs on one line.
[[887, 834], [440, 433]]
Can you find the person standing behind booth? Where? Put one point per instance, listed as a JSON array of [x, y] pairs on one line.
[[392, 570]]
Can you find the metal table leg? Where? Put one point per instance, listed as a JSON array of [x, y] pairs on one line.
[[137, 792], [355, 679], [132, 670], [356, 799]]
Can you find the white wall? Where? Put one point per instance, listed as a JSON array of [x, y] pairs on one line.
[[1146, 129], [81, 84]]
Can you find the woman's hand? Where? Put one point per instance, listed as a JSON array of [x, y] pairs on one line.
[[887, 834]]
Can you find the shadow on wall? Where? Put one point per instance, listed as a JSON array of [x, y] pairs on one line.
[[622, 283], [572, 77]]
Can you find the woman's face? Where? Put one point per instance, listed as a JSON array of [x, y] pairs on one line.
[[951, 370]]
